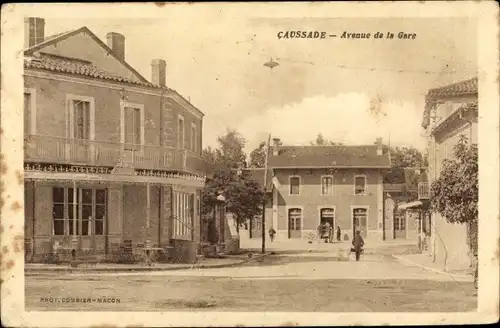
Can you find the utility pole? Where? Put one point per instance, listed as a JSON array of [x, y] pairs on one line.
[[264, 202]]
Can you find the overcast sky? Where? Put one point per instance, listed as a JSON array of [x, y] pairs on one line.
[[218, 64]]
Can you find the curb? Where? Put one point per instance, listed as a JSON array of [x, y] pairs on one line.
[[35, 271], [411, 263]]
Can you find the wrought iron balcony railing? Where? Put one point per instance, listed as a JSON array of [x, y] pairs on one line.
[[423, 190], [49, 149]]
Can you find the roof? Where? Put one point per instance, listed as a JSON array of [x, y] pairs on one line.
[[257, 174], [330, 156], [36, 59], [75, 66], [462, 88], [65, 35]]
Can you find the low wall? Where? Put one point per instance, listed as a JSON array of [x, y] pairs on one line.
[[184, 251]]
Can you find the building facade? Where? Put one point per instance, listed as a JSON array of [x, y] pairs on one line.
[[451, 111], [110, 157], [341, 185]]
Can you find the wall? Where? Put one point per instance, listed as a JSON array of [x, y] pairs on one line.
[[51, 111], [311, 200], [451, 250]]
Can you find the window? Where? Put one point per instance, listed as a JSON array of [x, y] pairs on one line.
[[183, 216], [399, 223], [81, 119], [58, 211], [294, 185], [327, 185], [180, 132], [194, 137], [359, 185], [294, 219], [100, 211], [84, 210], [73, 206], [27, 113], [132, 127]]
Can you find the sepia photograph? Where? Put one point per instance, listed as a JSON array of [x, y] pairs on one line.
[[198, 161]]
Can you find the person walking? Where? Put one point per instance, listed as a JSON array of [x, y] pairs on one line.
[[272, 232], [339, 233], [358, 243]]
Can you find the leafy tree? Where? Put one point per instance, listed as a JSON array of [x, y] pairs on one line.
[[244, 197], [454, 194], [401, 159], [230, 153], [258, 155], [321, 141]]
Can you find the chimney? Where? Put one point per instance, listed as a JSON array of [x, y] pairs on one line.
[[378, 142], [116, 42], [158, 72], [276, 145], [34, 31]]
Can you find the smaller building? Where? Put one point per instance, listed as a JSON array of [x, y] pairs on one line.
[[341, 185]]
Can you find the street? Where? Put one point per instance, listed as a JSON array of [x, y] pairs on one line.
[[298, 281]]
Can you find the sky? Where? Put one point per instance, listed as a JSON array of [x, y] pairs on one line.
[[351, 91]]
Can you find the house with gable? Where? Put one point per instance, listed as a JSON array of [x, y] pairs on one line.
[[342, 185], [450, 111], [110, 157]]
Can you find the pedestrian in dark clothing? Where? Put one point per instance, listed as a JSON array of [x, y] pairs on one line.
[[272, 232], [358, 244], [338, 233]]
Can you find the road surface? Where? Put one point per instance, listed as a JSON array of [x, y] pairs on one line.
[[287, 281]]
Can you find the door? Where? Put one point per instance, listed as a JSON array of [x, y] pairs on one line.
[[132, 135], [327, 215], [360, 217], [294, 223], [81, 151], [400, 225]]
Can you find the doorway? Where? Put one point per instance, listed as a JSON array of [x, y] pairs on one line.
[[294, 223], [360, 218], [400, 224]]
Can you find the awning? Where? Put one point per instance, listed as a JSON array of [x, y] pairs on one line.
[[405, 206]]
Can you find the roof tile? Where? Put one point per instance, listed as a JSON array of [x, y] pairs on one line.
[[330, 156]]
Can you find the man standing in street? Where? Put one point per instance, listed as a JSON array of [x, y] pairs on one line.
[[358, 244]]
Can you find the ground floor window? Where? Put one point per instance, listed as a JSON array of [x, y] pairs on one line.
[[183, 220], [360, 220], [78, 211], [400, 223]]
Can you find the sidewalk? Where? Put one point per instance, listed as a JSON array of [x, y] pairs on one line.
[[255, 245], [425, 262], [205, 263]]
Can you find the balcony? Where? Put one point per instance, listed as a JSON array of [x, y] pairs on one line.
[[423, 190], [56, 150]]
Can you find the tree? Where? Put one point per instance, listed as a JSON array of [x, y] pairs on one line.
[[401, 159], [258, 155], [321, 141], [454, 194], [230, 153], [244, 197]]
